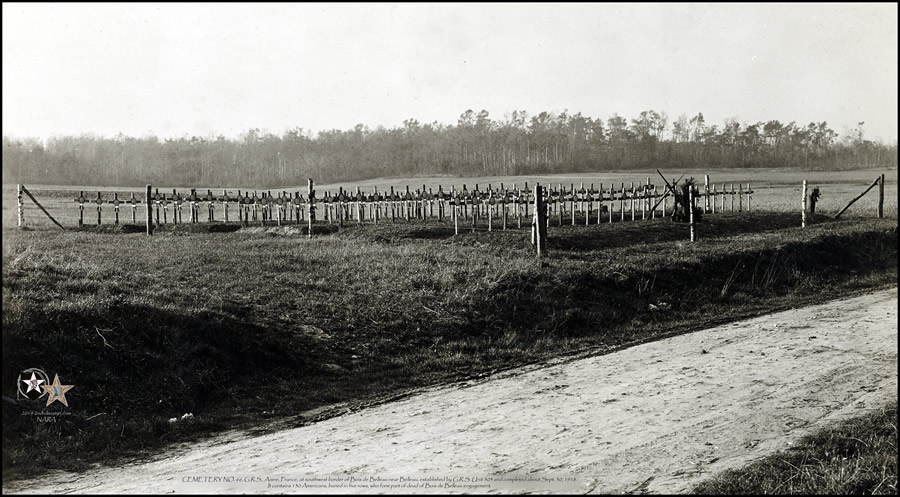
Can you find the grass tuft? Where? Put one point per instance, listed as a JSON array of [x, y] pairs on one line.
[[855, 457]]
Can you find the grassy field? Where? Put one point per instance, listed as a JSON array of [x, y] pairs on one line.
[[855, 457], [774, 190], [261, 327], [240, 327]]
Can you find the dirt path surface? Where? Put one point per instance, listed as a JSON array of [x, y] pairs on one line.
[[656, 417]]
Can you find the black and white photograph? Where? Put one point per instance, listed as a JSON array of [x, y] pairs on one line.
[[450, 248]]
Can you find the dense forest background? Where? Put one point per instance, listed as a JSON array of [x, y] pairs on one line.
[[519, 143]]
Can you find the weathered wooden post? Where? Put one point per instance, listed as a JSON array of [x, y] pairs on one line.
[[81, 200], [560, 203], [358, 206], [99, 202], [311, 206], [240, 208], [476, 205], [705, 193], [176, 207], [393, 205], [503, 204], [19, 206], [803, 206], [612, 202], [881, 197], [278, 203], [454, 203], [340, 206], [225, 204], [644, 203], [191, 204], [749, 194], [691, 209], [732, 197], [631, 205], [149, 211], [573, 195], [406, 205], [587, 199], [740, 197], [490, 214], [622, 203], [158, 198], [539, 227], [116, 205]]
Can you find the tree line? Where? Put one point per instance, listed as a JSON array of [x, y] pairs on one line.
[[519, 143]]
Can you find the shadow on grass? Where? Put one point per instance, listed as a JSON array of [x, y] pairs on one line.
[[137, 366]]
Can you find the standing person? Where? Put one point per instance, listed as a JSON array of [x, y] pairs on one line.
[[813, 198]]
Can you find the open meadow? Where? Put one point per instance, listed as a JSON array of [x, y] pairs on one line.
[[261, 327]]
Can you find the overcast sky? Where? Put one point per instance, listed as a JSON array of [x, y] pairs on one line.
[[175, 69]]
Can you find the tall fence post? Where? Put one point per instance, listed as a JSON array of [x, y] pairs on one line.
[[311, 198], [19, 205], [749, 194], [881, 197], [705, 193], [803, 207], [539, 227], [691, 209], [149, 211], [873, 185]]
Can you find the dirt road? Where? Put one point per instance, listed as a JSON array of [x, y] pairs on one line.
[[656, 417]]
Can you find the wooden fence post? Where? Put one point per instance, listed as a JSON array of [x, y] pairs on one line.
[[643, 204], [873, 185], [612, 202], [359, 214], [600, 204], [574, 194], [455, 205], [311, 206], [503, 205], [19, 205], [706, 193], [81, 209], [490, 214], [149, 212], [116, 205], [732, 197], [691, 209], [749, 192], [539, 227], [881, 197], [803, 206], [632, 201]]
